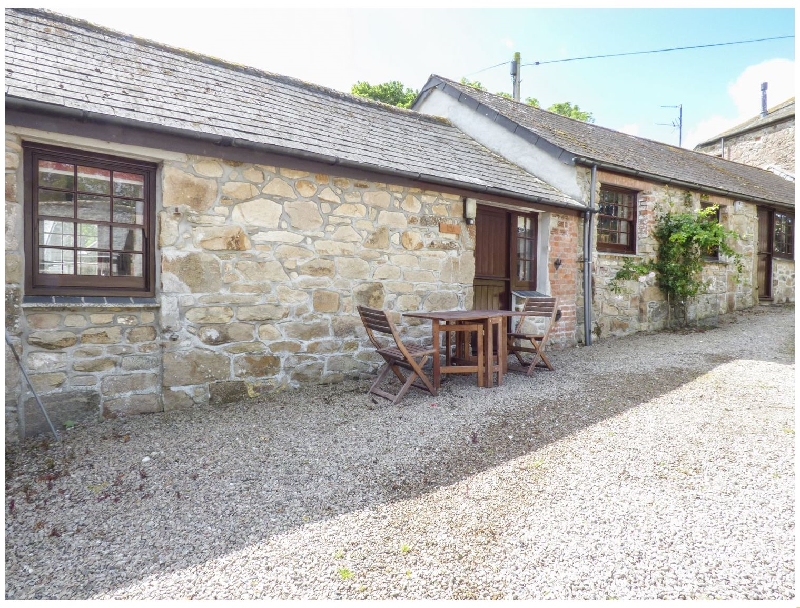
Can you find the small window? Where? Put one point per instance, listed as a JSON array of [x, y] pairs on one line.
[[783, 239], [616, 220], [89, 223]]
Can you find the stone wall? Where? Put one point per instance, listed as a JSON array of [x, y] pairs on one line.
[[772, 145], [641, 306], [782, 280], [260, 272], [263, 267]]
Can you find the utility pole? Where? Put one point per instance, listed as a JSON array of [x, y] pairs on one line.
[[515, 80], [678, 125]]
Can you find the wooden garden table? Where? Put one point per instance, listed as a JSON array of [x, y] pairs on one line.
[[494, 323]]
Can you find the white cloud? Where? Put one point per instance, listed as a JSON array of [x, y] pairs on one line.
[[508, 42], [745, 92], [630, 129]]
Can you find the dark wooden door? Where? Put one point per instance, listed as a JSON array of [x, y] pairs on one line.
[[492, 262], [764, 253]]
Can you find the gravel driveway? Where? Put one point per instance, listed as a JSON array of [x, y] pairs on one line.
[[654, 466]]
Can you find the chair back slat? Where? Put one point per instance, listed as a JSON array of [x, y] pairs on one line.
[[376, 320], [540, 306]]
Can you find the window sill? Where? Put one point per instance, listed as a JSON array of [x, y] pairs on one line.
[[82, 302]]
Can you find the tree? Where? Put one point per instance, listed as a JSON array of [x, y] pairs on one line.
[[474, 84], [393, 93], [532, 101], [565, 108]]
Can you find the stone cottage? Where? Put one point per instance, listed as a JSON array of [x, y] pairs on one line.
[[765, 141], [180, 230], [624, 181]]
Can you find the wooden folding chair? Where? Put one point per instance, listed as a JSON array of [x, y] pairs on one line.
[[411, 358], [520, 341]]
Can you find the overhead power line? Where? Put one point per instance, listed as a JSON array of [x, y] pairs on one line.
[[489, 68], [677, 48]]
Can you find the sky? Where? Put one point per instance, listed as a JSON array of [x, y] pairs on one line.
[[717, 87]]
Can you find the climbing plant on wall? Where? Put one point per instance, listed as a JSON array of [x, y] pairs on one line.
[[685, 240]]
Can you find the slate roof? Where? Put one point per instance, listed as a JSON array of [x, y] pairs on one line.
[[783, 111], [71, 63], [568, 138]]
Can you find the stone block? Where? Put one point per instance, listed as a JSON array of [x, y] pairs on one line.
[[310, 373], [239, 191], [245, 347], [386, 272], [289, 252], [132, 405], [231, 332], [329, 196], [259, 212], [334, 248], [377, 199], [305, 188], [262, 272], [307, 331], [346, 234], [221, 238], [442, 300], [371, 295], [143, 333], [262, 312], [13, 268], [326, 301], [45, 383], [285, 346], [199, 272], [392, 219], [353, 268], [94, 365], [350, 210], [52, 340], [411, 240], [140, 362], [269, 332], [176, 400], [61, 407], [318, 268], [411, 204], [347, 327], [228, 392], [279, 188], [208, 315], [258, 366], [101, 318], [43, 320], [196, 366], [303, 215], [126, 383], [38, 361], [208, 168], [180, 188], [75, 321]]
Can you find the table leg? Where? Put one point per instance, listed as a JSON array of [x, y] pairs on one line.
[[437, 364], [488, 358], [502, 352]]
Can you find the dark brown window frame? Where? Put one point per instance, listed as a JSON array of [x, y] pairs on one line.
[[37, 283], [514, 257], [630, 248], [789, 219]]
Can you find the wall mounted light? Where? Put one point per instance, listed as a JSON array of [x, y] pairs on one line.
[[470, 210], [557, 263]]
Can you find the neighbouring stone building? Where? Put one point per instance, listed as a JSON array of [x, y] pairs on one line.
[[765, 141], [625, 181], [182, 231]]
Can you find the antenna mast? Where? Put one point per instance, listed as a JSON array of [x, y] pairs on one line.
[[676, 124]]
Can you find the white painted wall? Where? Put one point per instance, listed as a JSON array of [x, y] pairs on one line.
[[500, 140]]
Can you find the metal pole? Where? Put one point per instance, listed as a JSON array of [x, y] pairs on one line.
[[28, 380], [515, 65], [680, 126]]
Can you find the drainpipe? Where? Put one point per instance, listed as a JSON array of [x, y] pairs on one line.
[[587, 261]]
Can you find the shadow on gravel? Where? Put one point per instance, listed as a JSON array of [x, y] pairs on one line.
[[221, 478]]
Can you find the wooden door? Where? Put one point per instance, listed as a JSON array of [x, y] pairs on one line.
[[492, 268], [764, 273], [505, 256]]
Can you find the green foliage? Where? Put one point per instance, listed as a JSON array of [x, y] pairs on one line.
[[532, 101], [345, 573], [393, 93], [474, 83], [565, 108], [684, 240], [506, 95]]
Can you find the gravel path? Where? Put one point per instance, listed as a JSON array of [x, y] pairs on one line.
[[653, 466]]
